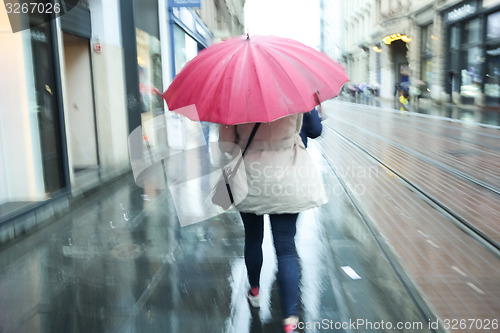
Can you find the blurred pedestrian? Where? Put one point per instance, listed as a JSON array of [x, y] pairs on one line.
[[403, 100], [282, 181], [311, 126]]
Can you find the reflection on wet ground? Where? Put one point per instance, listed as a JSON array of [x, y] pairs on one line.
[[468, 114], [120, 262]]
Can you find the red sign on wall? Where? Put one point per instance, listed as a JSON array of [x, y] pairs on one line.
[[97, 47]]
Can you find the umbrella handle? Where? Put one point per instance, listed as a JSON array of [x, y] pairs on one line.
[[318, 101]]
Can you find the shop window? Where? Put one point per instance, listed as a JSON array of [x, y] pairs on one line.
[[427, 40], [186, 48], [492, 84], [150, 83], [455, 37], [473, 31], [453, 82], [150, 72], [493, 26], [492, 75], [470, 74], [426, 75], [470, 61]]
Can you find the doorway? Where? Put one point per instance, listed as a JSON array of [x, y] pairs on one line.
[[401, 70], [400, 60], [80, 110]]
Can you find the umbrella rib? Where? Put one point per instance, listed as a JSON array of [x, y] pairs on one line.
[[251, 59], [219, 84], [322, 64], [284, 72], [241, 48], [319, 56]]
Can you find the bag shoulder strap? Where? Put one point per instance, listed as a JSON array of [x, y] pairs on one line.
[[250, 138]]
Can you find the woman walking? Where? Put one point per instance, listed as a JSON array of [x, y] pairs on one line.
[[282, 181]]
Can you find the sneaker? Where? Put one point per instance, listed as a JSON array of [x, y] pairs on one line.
[[253, 297], [290, 324]]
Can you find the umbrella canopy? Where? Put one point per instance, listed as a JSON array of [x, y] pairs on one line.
[[254, 79]]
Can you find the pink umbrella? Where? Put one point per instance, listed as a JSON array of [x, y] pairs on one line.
[[254, 79]]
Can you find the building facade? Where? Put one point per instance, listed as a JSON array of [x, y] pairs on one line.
[[74, 86], [442, 50], [61, 116]]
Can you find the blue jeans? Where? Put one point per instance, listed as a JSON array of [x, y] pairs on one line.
[[283, 227]]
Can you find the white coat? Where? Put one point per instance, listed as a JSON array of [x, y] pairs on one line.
[[280, 174]]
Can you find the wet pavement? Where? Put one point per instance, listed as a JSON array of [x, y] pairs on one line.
[[429, 186], [121, 262], [466, 113]]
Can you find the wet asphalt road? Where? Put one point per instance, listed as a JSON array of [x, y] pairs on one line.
[[120, 262]]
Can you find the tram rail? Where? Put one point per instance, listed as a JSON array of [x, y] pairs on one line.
[[462, 223]]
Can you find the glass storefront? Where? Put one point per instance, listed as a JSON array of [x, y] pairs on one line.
[[473, 63], [32, 167], [150, 72], [453, 56], [185, 48], [470, 73], [149, 69], [472, 31], [493, 26], [492, 76], [492, 84], [427, 71]]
